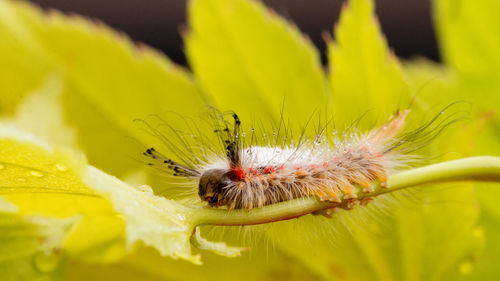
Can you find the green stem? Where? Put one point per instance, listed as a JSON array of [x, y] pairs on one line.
[[482, 168]]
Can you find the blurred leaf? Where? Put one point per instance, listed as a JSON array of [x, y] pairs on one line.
[[365, 76], [18, 47], [415, 237], [252, 61], [433, 84], [106, 80], [469, 46], [147, 264], [41, 114], [30, 246], [84, 61], [485, 265], [400, 237]]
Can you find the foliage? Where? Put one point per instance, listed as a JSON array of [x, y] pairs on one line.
[[77, 86]]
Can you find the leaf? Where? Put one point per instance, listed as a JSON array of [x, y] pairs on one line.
[[399, 237], [216, 247], [465, 36], [19, 74], [30, 246], [156, 221], [253, 62], [106, 81], [390, 240], [44, 106], [365, 76], [469, 47], [40, 181], [90, 77], [147, 264], [474, 137], [484, 265], [465, 31]]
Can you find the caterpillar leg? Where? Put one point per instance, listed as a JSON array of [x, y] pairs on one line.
[[328, 213]]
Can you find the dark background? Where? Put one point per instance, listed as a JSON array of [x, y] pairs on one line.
[[407, 24]]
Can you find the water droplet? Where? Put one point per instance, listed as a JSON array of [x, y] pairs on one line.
[[46, 262], [36, 174], [21, 179], [61, 168], [145, 189]]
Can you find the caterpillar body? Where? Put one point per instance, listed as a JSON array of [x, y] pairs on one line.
[[258, 175]]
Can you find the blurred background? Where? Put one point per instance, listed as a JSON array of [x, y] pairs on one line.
[[158, 23]]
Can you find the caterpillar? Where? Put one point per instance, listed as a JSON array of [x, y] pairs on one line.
[[251, 176]]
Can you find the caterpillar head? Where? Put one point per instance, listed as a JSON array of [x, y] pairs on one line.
[[211, 186]]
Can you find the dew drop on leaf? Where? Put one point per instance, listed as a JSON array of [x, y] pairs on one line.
[[145, 189], [37, 174], [46, 262], [61, 168]]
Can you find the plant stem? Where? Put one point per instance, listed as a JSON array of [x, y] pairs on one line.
[[482, 168]]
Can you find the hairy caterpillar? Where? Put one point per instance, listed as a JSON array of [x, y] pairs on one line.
[[251, 176]]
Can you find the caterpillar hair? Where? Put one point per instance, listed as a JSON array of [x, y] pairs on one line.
[[235, 174]]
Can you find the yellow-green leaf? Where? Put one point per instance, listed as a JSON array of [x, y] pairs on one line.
[[467, 35], [365, 76], [216, 247], [261, 264], [156, 221], [252, 61], [42, 181], [424, 238], [30, 247], [103, 229], [106, 81], [467, 38], [389, 239]]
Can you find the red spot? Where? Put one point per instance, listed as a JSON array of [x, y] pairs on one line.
[[254, 171], [280, 167], [298, 168], [326, 164], [269, 169], [237, 174]]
